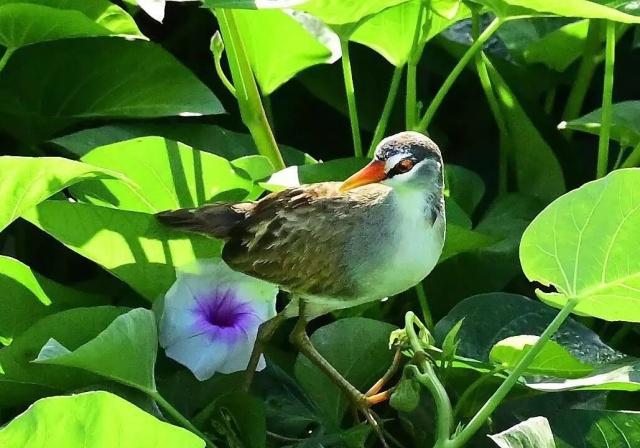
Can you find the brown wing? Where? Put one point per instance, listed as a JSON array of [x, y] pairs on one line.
[[296, 238]]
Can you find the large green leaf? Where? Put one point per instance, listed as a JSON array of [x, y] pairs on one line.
[[213, 139], [490, 318], [566, 8], [625, 123], [553, 359], [560, 48], [93, 419], [532, 433], [132, 246], [308, 42], [538, 172], [337, 12], [26, 181], [584, 245], [83, 71], [577, 428], [358, 348], [27, 297], [391, 32], [125, 351], [24, 381], [167, 175], [23, 24], [102, 12]]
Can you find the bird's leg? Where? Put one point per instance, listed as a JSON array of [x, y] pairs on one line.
[[373, 395], [300, 339], [265, 333]]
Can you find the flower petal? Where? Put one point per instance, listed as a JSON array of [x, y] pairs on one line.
[[199, 354]]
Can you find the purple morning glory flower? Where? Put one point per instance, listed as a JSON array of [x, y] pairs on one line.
[[211, 317]]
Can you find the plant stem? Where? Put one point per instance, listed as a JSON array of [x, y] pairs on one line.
[[633, 159], [453, 75], [496, 110], [411, 109], [351, 97], [381, 127], [178, 417], [424, 306], [5, 57], [587, 67], [247, 94], [607, 100], [466, 395], [494, 401]]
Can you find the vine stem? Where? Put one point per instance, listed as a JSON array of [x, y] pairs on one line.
[[424, 306], [453, 75], [607, 100], [633, 159], [494, 401], [381, 127], [246, 89], [351, 97], [178, 417], [411, 109], [494, 106]]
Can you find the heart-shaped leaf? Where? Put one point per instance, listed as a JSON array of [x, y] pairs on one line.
[[584, 245], [531, 433], [625, 122]]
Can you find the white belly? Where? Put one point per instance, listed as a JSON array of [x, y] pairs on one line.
[[408, 254]]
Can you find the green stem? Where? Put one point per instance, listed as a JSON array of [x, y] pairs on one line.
[[411, 109], [178, 417], [247, 94], [424, 306], [453, 75], [494, 401], [496, 110], [381, 127], [586, 70], [607, 101], [633, 159], [5, 57], [351, 97]]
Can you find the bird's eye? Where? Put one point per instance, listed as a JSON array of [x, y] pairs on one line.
[[404, 165]]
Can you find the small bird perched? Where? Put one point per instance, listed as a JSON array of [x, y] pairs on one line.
[[336, 245]]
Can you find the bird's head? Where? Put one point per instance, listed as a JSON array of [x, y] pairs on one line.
[[404, 161]]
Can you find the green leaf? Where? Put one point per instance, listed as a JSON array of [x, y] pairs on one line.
[[465, 186], [489, 318], [337, 12], [26, 181], [32, 110], [125, 351], [567, 8], [27, 297], [574, 428], [167, 175], [213, 139], [406, 396], [24, 381], [531, 433], [583, 244], [391, 31], [560, 48], [553, 359], [23, 24], [132, 246], [460, 240], [451, 341], [308, 42], [358, 349], [251, 4], [625, 123], [240, 416], [96, 419], [538, 172], [102, 12]]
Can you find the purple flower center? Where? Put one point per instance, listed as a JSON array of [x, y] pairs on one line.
[[224, 316]]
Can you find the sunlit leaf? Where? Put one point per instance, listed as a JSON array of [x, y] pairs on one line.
[[82, 70], [26, 181], [91, 419], [532, 433], [338, 12], [560, 48], [553, 359], [625, 123], [132, 246], [583, 245], [125, 351], [566, 8], [308, 42]]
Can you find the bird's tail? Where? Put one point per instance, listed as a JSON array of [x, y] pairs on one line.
[[214, 220]]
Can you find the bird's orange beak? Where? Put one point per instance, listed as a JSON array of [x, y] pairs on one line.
[[373, 172]]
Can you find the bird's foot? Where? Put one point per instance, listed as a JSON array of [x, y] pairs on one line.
[[362, 403]]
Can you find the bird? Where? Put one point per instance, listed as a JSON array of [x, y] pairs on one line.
[[335, 245]]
